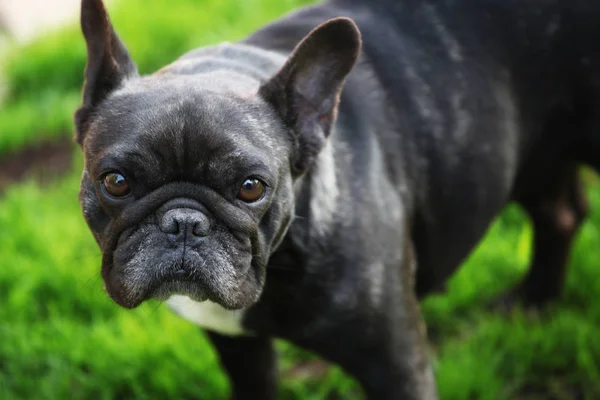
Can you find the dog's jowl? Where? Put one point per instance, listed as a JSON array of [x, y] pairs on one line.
[[314, 180]]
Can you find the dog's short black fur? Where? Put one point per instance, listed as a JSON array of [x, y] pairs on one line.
[[232, 177]]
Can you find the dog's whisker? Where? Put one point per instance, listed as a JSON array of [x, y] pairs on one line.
[[90, 281], [156, 307]]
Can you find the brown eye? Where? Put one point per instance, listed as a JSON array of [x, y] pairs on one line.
[[252, 190], [116, 185]]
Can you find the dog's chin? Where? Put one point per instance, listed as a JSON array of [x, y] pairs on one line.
[[190, 289], [159, 291], [131, 291], [163, 291]]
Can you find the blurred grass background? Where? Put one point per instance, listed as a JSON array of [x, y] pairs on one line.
[[61, 337]]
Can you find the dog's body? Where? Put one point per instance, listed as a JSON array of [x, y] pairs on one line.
[[454, 109]]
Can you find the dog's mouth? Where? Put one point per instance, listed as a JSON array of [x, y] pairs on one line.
[[131, 288], [160, 281], [149, 269], [180, 282]]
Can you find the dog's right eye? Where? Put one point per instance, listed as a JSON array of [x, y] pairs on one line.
[[251, 190], [115, 185]]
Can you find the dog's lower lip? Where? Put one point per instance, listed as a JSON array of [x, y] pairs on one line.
[[182, 286]]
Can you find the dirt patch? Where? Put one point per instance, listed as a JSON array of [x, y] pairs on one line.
[[43, 162]]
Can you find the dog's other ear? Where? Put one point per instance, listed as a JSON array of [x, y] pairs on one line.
[[306, 90], [108, 61]]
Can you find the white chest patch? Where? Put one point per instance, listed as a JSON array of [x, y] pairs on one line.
[[324, 201], [209, 315]]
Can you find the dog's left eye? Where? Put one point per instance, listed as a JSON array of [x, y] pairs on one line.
[[115, 185], [252, 190]]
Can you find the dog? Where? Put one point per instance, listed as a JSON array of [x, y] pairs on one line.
[[314, 180]]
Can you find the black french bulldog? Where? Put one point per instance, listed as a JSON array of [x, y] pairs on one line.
[[242, 185]]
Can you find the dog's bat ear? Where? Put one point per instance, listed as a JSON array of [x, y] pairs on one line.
[[306, 90], [108, 61]]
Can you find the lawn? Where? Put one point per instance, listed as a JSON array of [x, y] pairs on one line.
[[61, 337]]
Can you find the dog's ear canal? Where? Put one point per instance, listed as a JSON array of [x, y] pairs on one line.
[[108, 61], [306, 90]]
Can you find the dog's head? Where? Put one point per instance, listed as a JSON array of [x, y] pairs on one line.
[[188, 180]]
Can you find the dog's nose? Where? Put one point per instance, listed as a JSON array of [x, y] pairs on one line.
[[185, 223]]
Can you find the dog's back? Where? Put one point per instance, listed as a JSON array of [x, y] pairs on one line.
[[461, 96]]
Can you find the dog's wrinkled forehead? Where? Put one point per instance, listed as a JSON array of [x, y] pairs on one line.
[[167, 127]]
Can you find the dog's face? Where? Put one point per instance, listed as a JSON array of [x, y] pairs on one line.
[[186, 192], [188, 184]]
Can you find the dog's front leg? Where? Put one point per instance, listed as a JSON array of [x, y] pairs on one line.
[[383, 343], [401, 352], [399, 366], [251, 365], [401, 356]]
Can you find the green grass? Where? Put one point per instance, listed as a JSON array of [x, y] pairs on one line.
[[550, 355], [61, 337]]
